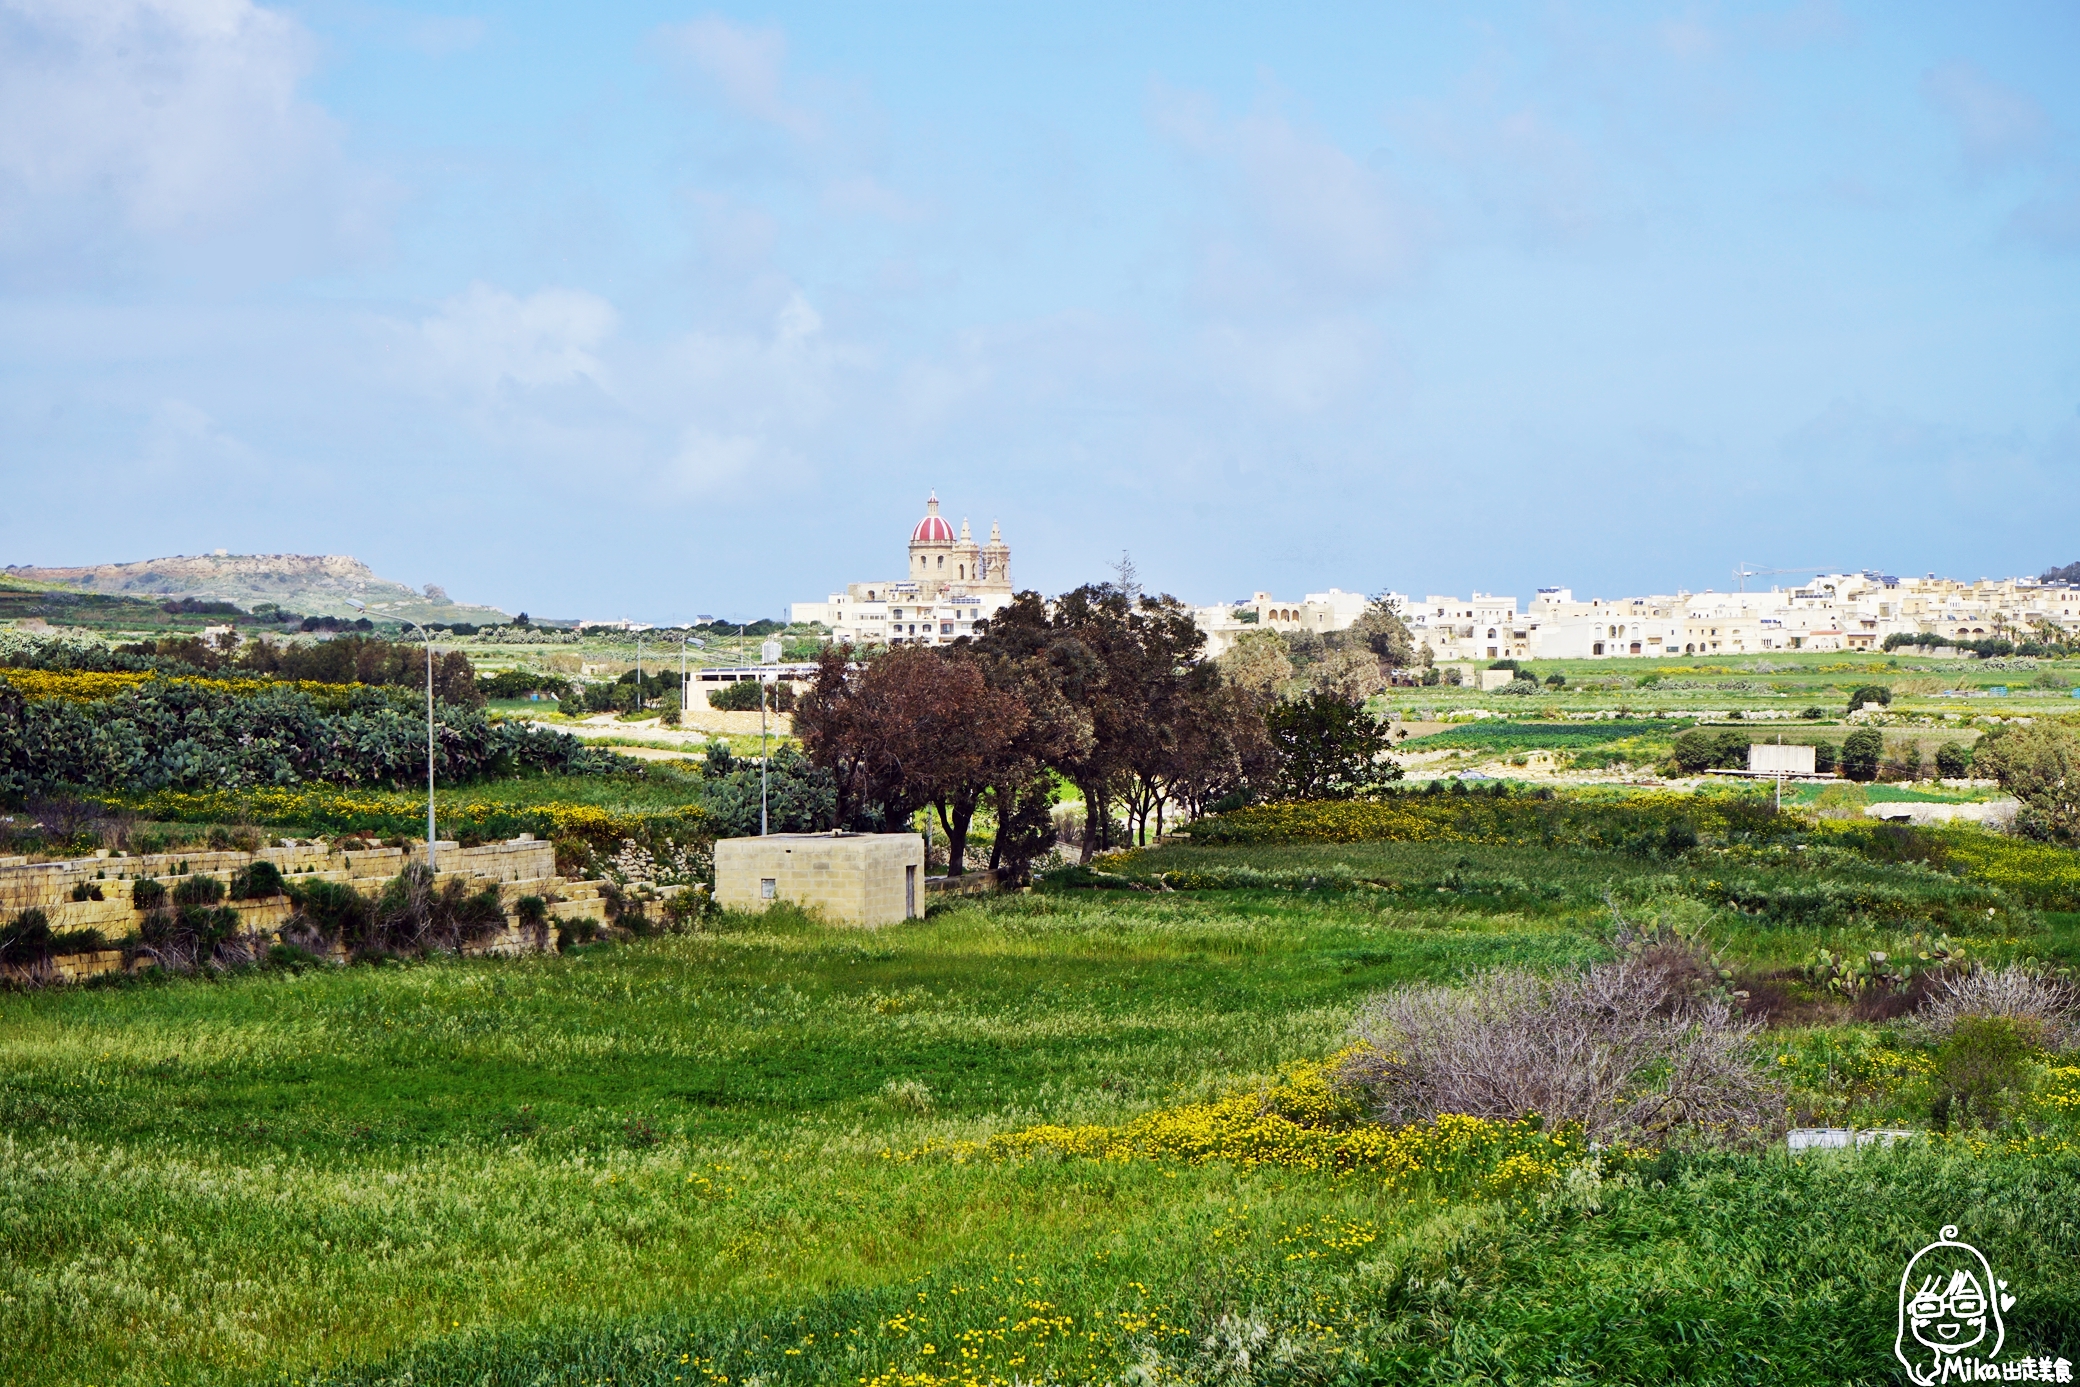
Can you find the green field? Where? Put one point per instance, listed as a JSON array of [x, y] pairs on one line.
[[737, 1153]]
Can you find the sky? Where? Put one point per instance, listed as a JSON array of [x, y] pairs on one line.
[[647, 310]]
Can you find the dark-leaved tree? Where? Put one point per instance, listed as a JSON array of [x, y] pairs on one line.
[[1328, 748]]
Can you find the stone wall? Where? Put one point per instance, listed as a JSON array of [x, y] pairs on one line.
[[521, 867]]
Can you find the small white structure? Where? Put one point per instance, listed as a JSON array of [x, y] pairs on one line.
[[1842, 1138], [1767, 758], [848, 878]]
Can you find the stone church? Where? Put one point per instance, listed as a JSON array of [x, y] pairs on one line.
[[952, 583]]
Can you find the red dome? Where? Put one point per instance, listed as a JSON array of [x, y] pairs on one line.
[[933, 529]]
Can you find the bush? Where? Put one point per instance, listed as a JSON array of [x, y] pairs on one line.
[[1953, 760], [1861, 752], [1981, 1069], [86, 891], [257, 881], [1870, 693], [418, 915], [1825, 756], [27, 938], [684, 909], [1702, 749], [147, 894], [1635, 1050], [740, 697], [201, 889], [328, 911], [193, 936], [1814, 713], [2047, 1008]]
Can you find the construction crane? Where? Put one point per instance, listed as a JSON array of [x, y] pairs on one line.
[[1742, 573]]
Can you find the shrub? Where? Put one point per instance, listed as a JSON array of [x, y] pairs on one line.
[[418, 915], [1981, 1068], [27, 938], [1825, 756], [147, 894], [1814, 713], [1631, 1051], [256, 881], [570, 933], [2046, 1007], [328, 911], [86, 891], [683, 909], [201, 889], [77, 941], [1861, 752], [1870, 693], [193, 936], [1702, 749], [1953, 760], [740, 697], [908, 1095]]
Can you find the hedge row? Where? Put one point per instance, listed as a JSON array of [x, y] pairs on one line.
[[185, 735]]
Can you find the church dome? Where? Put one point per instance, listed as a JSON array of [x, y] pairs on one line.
[[933, 529]]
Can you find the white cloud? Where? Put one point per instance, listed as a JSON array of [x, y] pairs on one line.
[[485, 339], [1301, 370], [746, 65], [143, 131], [1997, 126], [1306, 221]]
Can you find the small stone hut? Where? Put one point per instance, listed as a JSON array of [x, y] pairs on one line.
[[848, 878]]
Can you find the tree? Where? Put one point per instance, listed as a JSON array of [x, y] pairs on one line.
[[1862, 750], [1702, 749], [2040, 766], [1328, 748], [1953, 760], [1870, 693], [1351, 672], [913, 727], [1258, 662], [976, 728], [1120, 658], [1380, 629]]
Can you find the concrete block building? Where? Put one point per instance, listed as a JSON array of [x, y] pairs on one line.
[[848, 878]]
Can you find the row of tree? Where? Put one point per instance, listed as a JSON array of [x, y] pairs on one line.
[[1103, 688]]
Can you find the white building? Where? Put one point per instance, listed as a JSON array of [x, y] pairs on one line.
[[1318, 612], [953, 586]]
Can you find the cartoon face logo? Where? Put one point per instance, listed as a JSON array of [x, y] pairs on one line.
[[1949, 1301]]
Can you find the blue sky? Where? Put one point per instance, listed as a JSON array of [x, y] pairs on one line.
[[645, 310]]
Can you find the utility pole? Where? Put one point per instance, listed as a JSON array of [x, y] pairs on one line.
[[428, 635], [768, 653]]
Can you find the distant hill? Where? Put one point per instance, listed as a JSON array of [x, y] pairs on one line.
[[312, 584]]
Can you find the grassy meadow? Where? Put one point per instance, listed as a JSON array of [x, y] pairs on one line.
[[1004, 1144]]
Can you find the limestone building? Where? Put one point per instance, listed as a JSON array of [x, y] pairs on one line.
[[950, 585]]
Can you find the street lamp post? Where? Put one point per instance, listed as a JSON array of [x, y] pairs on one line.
[[431, 850], [768, 653]]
